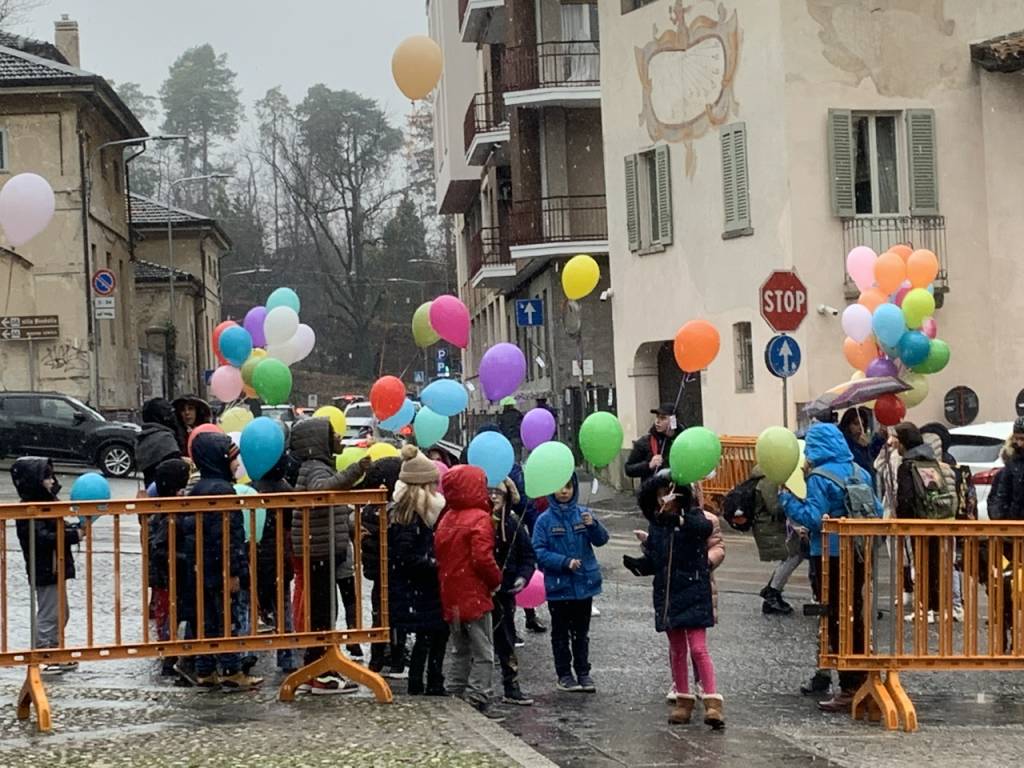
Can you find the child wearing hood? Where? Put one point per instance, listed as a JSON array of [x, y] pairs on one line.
[[564, 538], [35, 481]]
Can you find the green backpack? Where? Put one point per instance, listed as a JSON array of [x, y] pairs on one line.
[[933, 500]]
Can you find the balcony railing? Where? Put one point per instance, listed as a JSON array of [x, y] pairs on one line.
[[486, 113], [488, 248], [561, 64], [880, 233], [564, 219]]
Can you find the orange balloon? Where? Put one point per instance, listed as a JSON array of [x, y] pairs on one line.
[[249, 392], [890, 272], [903, 251], [873, 298], [417, 65], [696, 346], [860, 355], [922, 268]]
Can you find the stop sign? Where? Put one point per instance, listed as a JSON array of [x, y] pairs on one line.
[[784, 301]]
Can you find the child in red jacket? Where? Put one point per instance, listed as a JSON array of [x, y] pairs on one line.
[[469, 575]]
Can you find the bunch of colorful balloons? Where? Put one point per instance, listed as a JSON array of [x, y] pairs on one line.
[[891, 330], [255, 356]]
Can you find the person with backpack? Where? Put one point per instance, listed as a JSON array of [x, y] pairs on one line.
[[836, 487]]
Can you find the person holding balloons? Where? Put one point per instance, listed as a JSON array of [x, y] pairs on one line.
[[650, 452]]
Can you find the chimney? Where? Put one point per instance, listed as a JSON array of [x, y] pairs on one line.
[[65, 37]]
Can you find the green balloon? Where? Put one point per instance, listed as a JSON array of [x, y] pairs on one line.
[[429, 427], [272, 381], [601, 438], [778, 453], [694, 455], [348, 457], [549, 468], [938, 358], [917, 305], [422, 331]]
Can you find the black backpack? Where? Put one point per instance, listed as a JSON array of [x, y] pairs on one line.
[[739, 504]]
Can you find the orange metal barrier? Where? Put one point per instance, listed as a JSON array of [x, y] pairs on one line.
[[872, 559], [108, 627], [738, 460]]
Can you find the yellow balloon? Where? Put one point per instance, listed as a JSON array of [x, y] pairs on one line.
[[918, 392], [249, 366], [235, 419], [348, 457], [417, 66], [858, 375], [580, 276], [797, 483], [380, 451], [335, 415]]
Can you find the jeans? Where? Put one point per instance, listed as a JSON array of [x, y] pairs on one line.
[[48, 629], [504, 619], [428, 652], [848, 681], [213, 625], [472, 669], [693, 642], [570, 636], [783, 571]]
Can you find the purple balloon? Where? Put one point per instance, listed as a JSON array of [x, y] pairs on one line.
[[253, 323], [881, 366], [502, 370], [538, 426]]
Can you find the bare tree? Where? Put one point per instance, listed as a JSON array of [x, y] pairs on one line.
[[14, 12]]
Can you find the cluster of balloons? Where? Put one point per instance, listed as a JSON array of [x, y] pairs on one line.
[[27, 205], [446, 317], [255, 356], [891, 330]]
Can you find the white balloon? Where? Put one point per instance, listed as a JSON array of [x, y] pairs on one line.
[[283, 352], [280, 325], [303, 342], [26, 207]]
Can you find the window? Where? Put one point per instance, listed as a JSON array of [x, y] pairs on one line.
[[3, 149], [60, 411], [632, 5], [16, 407], [743, 349], [735, 181], [649, 199], [117, 176], [876, 176]]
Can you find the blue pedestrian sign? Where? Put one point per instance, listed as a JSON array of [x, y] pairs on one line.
[[529, 312], [782, 356], [104, 282]]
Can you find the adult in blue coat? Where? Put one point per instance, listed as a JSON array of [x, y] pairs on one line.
[[826, 450]]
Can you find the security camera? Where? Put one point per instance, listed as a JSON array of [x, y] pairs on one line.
[[607, 294], [825, 309]]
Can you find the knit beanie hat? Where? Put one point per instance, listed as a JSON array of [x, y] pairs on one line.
[[417, 469]]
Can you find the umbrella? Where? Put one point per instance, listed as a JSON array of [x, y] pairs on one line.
[[852, 393]]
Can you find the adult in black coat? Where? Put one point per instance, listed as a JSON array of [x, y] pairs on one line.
[[192, 411], [160, 438], [651, 451]]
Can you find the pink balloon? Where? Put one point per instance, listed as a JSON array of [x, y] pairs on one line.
[[533, 594], [897, 298], [450, 320], [860, 264], [226, 383], [930, 328]]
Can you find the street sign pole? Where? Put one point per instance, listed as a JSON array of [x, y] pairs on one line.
[[785, 403]]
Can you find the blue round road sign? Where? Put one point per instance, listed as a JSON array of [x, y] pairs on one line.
[[104, 282], [782, 356]]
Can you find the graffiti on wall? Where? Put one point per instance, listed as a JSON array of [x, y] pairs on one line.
[[687, 75], [65, 361]]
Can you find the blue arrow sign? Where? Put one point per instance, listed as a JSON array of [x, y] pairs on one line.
[[782, 356], [529, 312]]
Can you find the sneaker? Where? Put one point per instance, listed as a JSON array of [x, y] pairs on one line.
[[594, 612], [354, 650], [209, 682], [519, 642], [536, 626], [265, 627], [396, 674], [568, 684], [516, 696], [932, 618], [240, 681], [587, 684], [672, 694], [69, 666], [490, 713], [327, 685], [304, 688], [958, 613], [52, 670], [841, 703]]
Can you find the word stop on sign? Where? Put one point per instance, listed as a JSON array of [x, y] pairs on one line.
[[785, 301]]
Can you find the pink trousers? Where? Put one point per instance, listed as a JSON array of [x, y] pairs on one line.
[[695, 641]]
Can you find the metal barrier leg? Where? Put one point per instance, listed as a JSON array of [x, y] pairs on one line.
[[904, 706], [33, 694], [874, 690], [334, 661]]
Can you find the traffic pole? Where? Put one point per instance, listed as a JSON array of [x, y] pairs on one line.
[[785, 403]]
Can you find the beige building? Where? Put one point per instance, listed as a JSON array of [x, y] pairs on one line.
[[521, 166], [55, 119], [744, 136], [199, 244]]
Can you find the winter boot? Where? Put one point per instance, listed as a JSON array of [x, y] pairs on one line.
[[774, 604], [682, 710], [714, 711]]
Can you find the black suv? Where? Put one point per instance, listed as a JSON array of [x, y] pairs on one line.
[[65, 429]]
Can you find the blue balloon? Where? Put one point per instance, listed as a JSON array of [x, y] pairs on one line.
[[429, 427], [889, 324], [493, 453], [914, 348], [91, 486], [284, 297], [401, 419], [236, 345], [445, 397], [261, 445]]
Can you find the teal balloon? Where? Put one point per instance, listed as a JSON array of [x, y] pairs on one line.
[[272, 381], [446, 397], [778, 453], [888, 324], [494, 454], [92, 486], [284, 297], [401, 419], [261, 446], [938, 358], [548, 468], [601, 438], [695, 454], [914, 348], [429, 427], [261, 514], [235, 345]]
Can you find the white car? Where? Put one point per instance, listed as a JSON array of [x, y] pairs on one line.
[[979, 447], [359, 423]]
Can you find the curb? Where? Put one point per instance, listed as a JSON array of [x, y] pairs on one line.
[[495, 736]]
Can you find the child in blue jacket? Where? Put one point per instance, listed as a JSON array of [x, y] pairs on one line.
[[563, 540]]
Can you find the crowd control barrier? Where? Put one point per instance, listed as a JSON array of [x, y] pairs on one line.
[[877, 559], [109, 601], [738, 461]]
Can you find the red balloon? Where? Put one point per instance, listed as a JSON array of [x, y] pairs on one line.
[[216, 339], [889, 410], [198, 431], [387, 396]]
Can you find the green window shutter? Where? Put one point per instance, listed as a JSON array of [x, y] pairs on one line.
[[632, 203], [664, 194], [924, 182], [841, 162], [735, 179]]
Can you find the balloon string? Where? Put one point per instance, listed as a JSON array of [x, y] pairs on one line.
[[409, 365]]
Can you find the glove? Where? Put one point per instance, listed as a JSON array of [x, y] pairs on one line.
[[664, 474], [517, 586], [632, 564]]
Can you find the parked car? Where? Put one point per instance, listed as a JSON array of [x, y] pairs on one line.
[[979, 447], [288, 414], [65, 429], [359, 423]]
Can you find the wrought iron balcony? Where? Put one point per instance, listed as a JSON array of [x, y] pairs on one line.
[[880, 233], [488, 248], [570, 218], [486, 119], [560, 64]]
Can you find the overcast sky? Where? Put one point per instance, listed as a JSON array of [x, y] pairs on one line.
[[291, 43]]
